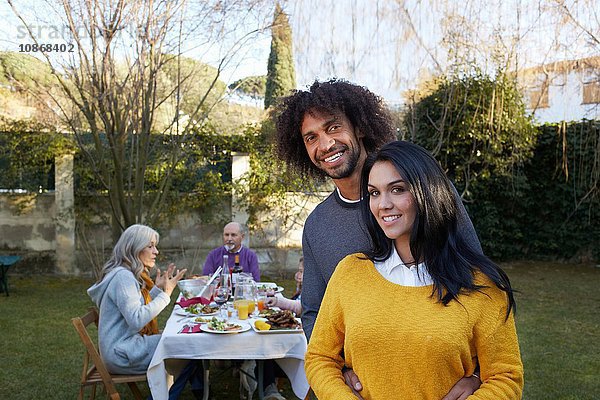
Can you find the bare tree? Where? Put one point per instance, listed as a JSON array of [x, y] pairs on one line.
[[126, 82], [392, 45], [581, 19]]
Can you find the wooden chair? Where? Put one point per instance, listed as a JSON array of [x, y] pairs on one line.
[[94, 371]]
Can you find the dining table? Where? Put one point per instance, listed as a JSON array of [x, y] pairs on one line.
[[287, 349]]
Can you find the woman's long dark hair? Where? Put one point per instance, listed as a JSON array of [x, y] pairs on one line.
[[435, 240]]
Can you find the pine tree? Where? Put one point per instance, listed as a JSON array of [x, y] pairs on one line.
[[281, 75]]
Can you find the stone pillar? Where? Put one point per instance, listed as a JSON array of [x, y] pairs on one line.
[[240, 165], [65, 215]]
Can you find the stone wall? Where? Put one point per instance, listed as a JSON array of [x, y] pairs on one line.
[[27, 223], [28, 228], [43, 229]]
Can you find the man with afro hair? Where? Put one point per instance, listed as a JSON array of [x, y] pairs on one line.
[[328, 131]]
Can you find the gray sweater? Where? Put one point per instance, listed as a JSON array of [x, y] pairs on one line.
[[331, 232], [122, 315]]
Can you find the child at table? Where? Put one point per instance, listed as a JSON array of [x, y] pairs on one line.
[[292, 304], [298, 278]]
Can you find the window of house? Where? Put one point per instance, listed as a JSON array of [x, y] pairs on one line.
[[538, 96], [591, 93], [591, 86]]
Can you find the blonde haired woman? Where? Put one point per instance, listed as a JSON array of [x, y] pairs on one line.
[[129, 303]]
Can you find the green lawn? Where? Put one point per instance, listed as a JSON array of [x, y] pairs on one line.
[[558, 322]]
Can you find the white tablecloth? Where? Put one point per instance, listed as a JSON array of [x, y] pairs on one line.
[[286, 348]]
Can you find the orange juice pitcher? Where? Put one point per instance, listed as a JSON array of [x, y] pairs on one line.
[[243, 300]]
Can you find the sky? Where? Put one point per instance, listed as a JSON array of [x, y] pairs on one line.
[[386, 45], [392, 45], [250, 54], [389, 46]]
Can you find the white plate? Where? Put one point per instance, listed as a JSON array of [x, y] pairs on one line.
[[181, 311], [263, 286], [206, 319], [245, 327], [275, 309], [272, 331]]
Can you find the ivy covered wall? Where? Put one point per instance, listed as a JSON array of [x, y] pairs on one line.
[[550, 207]]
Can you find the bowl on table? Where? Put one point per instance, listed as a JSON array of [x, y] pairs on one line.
[[191, 288]]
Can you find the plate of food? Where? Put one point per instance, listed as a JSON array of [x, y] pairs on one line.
[[216, 325], [265, 312], [268, 287], [282, 321], [197, 309]]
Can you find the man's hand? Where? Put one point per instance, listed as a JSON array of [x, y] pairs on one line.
[[352, 380], [463, 388]]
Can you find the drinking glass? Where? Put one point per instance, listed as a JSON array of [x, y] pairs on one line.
[[222, 293], [261, 303], [255, 297]]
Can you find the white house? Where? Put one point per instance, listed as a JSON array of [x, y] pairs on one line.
[[563, 91]]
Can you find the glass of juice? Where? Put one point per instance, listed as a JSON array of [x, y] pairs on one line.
[[242, 308], [261, 302]]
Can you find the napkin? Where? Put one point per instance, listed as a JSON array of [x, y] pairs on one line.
[[194, 300], [191, 329]]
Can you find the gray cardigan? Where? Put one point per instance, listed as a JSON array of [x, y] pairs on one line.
[[122, 315]]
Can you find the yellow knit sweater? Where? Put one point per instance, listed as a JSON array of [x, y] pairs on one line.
[[403, 344]]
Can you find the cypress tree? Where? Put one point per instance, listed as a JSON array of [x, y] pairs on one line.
[[281, 75]]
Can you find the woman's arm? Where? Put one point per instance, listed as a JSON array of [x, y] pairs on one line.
[[497, 345], [323, 360], [285, 304], [125, 293]]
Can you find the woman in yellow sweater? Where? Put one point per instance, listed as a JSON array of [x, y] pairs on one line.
[[421, 309]]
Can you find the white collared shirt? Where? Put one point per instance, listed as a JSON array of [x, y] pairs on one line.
[[395, 271]]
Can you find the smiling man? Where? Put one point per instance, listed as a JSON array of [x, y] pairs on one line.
[[334, 146], [328, 131]]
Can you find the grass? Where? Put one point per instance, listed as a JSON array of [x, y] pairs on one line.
[[557, 320], [559, 329], [41, 354]]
